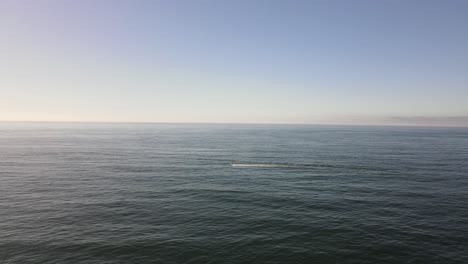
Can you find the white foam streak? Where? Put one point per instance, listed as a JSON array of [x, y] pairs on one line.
[[262, 165]]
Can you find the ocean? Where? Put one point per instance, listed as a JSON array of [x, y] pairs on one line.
[[200, 193]]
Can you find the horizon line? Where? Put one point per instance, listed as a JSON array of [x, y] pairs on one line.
[[229, 123]]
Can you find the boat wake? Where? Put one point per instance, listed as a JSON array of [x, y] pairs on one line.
[[262, 165], [302, 166], [277, 165]]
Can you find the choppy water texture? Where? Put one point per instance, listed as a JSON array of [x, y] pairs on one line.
[[108, 193]]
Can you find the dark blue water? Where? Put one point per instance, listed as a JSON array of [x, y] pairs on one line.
[[155, 193]]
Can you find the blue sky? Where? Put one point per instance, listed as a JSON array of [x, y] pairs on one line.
[[317, 62]]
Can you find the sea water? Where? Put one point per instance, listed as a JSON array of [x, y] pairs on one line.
[[186, 193]]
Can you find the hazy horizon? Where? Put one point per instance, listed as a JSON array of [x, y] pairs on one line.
[[298, 62], [416, 125]]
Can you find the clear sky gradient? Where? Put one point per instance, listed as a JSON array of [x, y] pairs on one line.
[[240, 61]]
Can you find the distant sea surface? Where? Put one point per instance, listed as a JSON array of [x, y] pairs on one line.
[[167, 193]]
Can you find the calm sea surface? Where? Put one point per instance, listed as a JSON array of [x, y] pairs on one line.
[[160, 193]]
